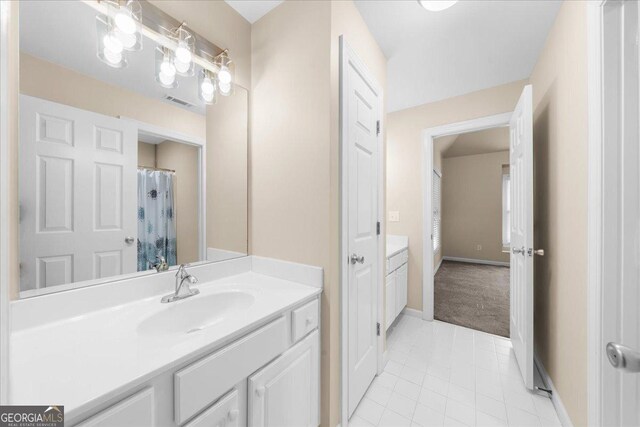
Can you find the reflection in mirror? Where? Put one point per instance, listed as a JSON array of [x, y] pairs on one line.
[[122, 173]]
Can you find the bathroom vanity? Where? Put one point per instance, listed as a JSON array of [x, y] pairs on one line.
[[244, 351], [396, 282]]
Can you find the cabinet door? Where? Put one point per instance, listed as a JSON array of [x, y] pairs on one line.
[[135, 411], [285, 393], [390, 299], [401, 288]]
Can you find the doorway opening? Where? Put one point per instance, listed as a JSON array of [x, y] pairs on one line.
[[471, 229]]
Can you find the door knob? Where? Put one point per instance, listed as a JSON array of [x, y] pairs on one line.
[[532, 252], [355, 258], [129, 240], [623, 358], [517, 251]]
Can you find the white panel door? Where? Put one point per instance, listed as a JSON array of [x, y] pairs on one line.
[[285, 392], [78, 202], [621, 217], [521, 131], [361, 108]]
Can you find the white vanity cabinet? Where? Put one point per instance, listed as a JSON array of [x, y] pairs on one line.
[[396, 282], [268, 377], [285, 392]]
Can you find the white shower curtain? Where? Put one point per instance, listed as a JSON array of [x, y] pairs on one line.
[[156, 218]]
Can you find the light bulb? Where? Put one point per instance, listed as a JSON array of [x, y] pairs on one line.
[[167, 68], [183, 54], [127, 40], [224, 76], [111, 56], [225, 88], [124, 21], [112, 43], [166, 79], [206, 86], [437, 5], [182, 67]]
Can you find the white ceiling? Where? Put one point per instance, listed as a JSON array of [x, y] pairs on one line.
[[479, 142], [64, 32], [252, 10], [471, 46]]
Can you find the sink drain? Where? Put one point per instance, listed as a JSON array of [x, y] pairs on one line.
[[194, 330]]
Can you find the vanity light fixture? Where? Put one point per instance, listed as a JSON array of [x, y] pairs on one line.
[[165, 68], [110, 47], [225, 73], [183, 58], [437, 5], [206, 81]]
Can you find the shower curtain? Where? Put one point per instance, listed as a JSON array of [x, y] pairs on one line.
[[156, 219]]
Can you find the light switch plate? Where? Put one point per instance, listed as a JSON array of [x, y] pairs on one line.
[[394, 216]]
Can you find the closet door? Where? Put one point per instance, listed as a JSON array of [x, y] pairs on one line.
[[77, 194], [285, 393]]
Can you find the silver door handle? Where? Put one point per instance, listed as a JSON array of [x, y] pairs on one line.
[[517, 251], [623, 358], [129, 240], [532, 252], [355, 258]]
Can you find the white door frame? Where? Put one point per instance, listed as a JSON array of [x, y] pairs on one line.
[[428, 136], [348, 55], [5, 12], [201, 144]]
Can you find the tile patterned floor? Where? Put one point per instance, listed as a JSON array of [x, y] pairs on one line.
[[440, 374]]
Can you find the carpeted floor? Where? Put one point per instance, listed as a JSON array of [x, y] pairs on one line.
[[473, 295]]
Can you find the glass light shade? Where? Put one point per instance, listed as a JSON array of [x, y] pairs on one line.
[[127, 21], [110, 48], [165, 69], [225, 75], [437, 5], [183, 55], [207, 87]]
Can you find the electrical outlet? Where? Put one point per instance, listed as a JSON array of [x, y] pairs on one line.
[[394, 216], [478, 247]]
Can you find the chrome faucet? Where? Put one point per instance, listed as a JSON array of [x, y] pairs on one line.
[[161, 265], [181, 277]]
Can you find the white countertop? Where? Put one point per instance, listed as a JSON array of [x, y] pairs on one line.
[[396, 244], [82, 361]]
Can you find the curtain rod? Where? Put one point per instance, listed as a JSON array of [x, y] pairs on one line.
[[156, 169]]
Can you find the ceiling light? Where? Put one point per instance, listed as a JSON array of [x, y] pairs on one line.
[[437, 5]]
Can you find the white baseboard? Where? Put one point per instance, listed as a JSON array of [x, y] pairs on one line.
[[563, 415], [438, 267], [476, 261], [412, 312]]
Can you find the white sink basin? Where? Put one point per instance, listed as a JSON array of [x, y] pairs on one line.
[[195, 313]]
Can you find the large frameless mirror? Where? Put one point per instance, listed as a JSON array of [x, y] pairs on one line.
[[133, 145]]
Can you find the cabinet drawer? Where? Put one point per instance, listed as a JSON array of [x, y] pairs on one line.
[[226, 412], [134, 411], [397, 260], [200, 384], [304, 320]]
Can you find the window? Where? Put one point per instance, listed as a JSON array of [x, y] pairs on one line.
[[506, 207], [437, 210]]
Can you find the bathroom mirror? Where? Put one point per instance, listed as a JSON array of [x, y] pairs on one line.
[[122, 170]]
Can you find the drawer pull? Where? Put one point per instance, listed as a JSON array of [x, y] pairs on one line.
[[260, 391]]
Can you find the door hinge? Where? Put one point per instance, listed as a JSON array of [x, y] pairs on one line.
[[378, 328], [378, 127], [378, 228]]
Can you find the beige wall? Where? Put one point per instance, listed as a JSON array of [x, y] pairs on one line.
[[227, 173], [183, 159], [404, 161], [472, 206], [147, 155], [560, 136], [294, 149]]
